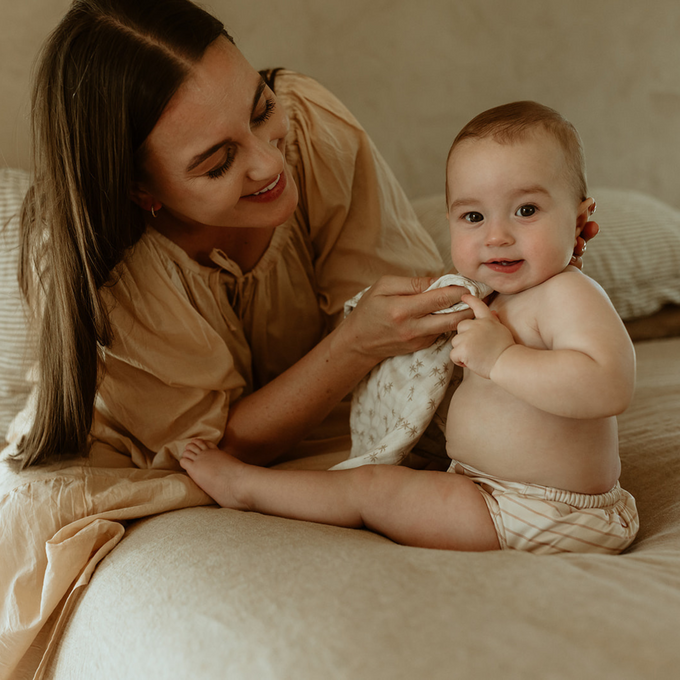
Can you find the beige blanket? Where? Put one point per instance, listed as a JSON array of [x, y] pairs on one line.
[[62, 523], [246, 596]]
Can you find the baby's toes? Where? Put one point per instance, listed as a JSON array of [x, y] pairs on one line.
[[199, 445], [192, 451]]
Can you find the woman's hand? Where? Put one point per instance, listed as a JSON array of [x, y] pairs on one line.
[[395, 316], [590, 230]]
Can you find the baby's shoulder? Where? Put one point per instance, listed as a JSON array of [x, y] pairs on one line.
[[566, 297], [571, 284], [570, 300], [566, 283]]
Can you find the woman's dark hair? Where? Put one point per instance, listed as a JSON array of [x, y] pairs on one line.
[[104, 78]]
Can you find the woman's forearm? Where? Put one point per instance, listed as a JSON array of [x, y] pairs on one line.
[[271, 420], [394, 317]]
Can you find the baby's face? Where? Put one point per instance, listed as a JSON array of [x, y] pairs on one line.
[[512, 211]]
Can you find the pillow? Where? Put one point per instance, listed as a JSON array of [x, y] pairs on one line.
[[635, 257], [16, 345]]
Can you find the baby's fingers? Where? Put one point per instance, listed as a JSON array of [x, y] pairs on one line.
[[478, 306], [456, 357]]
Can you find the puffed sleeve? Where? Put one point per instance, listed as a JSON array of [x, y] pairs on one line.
[[176, 362], [361, 222]]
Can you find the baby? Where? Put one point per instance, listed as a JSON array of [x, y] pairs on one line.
[[548, 365]]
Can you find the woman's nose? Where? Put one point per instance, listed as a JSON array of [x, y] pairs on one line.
[[268, 146], [266, 159]]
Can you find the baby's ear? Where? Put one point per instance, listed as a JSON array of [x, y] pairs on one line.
[[585, 210]]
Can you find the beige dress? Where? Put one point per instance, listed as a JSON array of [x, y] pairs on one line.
[[191, 339]]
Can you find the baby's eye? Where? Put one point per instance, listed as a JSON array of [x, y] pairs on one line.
[[473, 217], [526, 211]]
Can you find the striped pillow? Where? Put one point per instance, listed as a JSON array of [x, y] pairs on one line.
[[635, 257], [16, 345]]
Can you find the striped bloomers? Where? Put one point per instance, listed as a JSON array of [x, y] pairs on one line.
[[543, 520]]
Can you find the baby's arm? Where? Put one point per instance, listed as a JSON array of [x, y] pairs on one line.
[[588, 370]]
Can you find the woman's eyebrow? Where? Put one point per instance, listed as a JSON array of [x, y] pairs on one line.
[[199, 158]]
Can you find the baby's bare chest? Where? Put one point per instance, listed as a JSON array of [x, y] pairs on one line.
[[519, 313]]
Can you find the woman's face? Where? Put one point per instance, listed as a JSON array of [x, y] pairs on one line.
[[216, 157]]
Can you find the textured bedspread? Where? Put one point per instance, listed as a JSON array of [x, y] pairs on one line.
[[62, 524], [211, 593]]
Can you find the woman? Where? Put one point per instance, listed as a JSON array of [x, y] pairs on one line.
[[204, 226]]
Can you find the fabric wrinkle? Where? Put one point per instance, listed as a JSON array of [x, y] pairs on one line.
[[215, 282]]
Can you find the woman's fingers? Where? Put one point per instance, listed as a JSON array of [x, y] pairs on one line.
[[394, 318], [412, 296], [436, 324], [402, 285], [590, 230]]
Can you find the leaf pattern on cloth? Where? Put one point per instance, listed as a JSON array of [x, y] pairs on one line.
[[393, 405]]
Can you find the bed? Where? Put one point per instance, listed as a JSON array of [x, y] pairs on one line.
[[137, 575]]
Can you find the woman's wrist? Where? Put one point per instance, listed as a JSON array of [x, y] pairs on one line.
[[347, 348]]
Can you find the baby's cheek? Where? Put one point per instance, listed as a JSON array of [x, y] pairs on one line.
[[462, 256]]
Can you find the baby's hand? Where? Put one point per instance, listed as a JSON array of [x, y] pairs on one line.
[[480, 341]]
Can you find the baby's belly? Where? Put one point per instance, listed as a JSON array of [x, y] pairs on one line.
[[496, 433]]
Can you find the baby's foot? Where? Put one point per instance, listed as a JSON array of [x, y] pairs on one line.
[[215, 471]]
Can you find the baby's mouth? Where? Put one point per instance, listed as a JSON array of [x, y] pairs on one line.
[[507, 266]]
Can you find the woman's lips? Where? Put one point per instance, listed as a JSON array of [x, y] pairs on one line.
[[270, 192], [504, 266]]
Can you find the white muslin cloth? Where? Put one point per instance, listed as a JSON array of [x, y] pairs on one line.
[[393, 405]]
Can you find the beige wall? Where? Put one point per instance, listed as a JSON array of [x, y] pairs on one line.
[[415, 71]]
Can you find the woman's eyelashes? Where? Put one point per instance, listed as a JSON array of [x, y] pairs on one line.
[[269, 108], [223, 167]]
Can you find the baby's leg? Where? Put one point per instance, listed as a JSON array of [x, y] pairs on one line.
[[315, 496], [428, 509], [215, 471], [415, 507]]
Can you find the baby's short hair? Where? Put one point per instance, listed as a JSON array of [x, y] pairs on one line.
[[512, 122]]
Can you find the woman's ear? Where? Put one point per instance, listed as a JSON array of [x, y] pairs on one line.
[[144, 199]]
